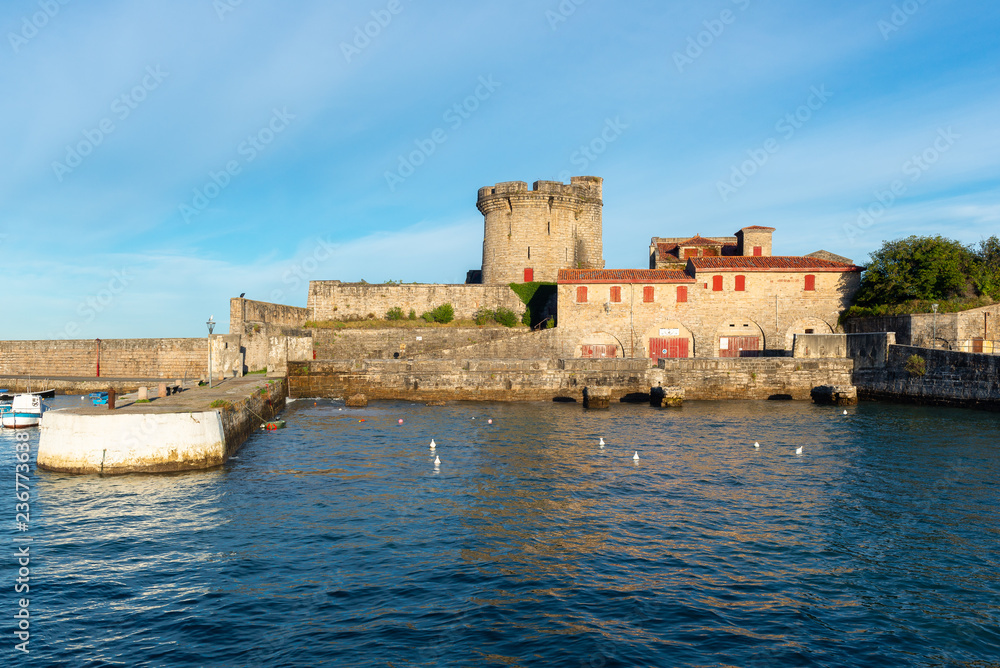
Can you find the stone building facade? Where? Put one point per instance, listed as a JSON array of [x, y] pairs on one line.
[[531, 234], [739, 306]]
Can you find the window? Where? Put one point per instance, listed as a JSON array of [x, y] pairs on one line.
[[810, 282], [741, 283], [690, 252], [717, 283], [682, 294], [757, 251], [710, 252], [647, 294], [529, 252], [581, 294], [529, 275], [616, 294]]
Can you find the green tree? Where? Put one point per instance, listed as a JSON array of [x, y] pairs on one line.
[[917, 268]]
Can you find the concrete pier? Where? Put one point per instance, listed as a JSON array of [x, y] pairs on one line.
[[196, 429]]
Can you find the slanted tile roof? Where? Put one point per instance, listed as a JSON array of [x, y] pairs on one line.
[[667, 249], [698, 240], [623, 276], [772, 263]]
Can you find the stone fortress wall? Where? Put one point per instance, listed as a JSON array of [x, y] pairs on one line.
[[333, 300], [550, 227]]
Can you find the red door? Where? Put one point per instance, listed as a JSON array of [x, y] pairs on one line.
[[529, 275], [599, 350], [739, 346], [668, 347]]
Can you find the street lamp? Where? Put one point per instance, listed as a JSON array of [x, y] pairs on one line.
[[934, 307], [211, 326]]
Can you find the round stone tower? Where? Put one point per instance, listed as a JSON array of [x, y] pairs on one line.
[[532, 234]]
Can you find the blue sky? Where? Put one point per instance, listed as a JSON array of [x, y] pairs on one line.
[[162, 157]]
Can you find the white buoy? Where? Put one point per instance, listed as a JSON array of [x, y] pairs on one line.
[[602, 442], [756, 444], [798, 450], [635, 457], [489, 421], [437, 461], [433, 444], [845, 411]]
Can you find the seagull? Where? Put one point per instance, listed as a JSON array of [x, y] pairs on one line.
[[635, 457], [756, 444], [437, 462], [433, 445], [241, 295], [798, 450], [602, 442]]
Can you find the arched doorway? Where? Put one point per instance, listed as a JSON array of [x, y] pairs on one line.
[[598, 345], [739, 337], [806, 326]]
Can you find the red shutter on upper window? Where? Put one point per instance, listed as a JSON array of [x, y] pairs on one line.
[[757, 251], [682, 293], [810, 282], [581, 294], [741, 283], [616, 294], [529, 275], [647, 294], [717, 283]]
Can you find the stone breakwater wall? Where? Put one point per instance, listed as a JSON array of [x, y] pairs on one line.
[[120, 358], [951, 379], [333, 300], [547, 379], [132, 441], [751, 377]]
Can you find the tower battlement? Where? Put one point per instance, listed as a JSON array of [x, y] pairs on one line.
[[532, 234]]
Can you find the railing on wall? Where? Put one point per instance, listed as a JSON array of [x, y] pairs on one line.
[[984, 346]]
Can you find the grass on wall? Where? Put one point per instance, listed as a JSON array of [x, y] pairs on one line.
[[535, 296]]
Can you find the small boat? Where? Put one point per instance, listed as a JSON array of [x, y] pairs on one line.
[[275, 425], [24, 411]]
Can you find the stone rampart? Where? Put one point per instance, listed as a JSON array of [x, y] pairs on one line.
[[951, 379], [333, 300], [751, 378], [249, 311], [119, 358]]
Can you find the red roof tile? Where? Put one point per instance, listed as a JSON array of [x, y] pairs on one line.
[[772, 263], [667, 249], [623, 276]]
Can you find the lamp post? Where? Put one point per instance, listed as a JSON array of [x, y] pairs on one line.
[[934, 307], [211, 326]]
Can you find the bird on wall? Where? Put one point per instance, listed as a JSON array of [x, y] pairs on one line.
[[241, 295]]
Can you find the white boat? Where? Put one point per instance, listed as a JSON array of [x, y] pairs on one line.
[[24, 411]]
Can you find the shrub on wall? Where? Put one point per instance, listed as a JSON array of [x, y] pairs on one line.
[[916, 365], [395, 313], [413, 315], [444, 313], [428, 316], [483, 316], [505, 317]]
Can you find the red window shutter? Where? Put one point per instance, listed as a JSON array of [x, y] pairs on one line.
[[690, 252], [616, 294], [529, 275], [810, 282], [741, 283], [757, 250], [682, 294], [717, 283], [647, 294], [581, 294]]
